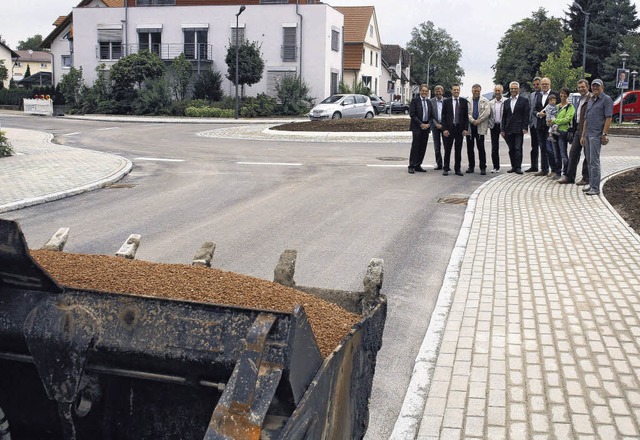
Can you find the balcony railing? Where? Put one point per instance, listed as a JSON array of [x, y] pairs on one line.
[[166, 51]]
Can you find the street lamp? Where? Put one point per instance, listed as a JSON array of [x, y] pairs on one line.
[[242, 8], [428, 66], [633, 75], [624, 56], [584, 40]]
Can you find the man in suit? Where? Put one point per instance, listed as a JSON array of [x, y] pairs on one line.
[[515, 121], [547, 160], [496, 106], [455, 124], [576, 146], [421, 114], [533, 120], [479, 113], [436, 127]]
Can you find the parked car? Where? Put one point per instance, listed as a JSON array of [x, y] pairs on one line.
[[630, 106], [379, 104], [398, 107], [343, 106]]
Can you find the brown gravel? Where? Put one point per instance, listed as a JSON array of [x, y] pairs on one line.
[[623, 193], [330, 323]]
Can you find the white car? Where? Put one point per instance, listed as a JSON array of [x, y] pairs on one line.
[[343, 106]]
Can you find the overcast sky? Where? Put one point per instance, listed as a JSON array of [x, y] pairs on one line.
[[476, 25]]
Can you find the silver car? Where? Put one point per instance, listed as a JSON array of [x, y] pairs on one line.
[[343, 106]]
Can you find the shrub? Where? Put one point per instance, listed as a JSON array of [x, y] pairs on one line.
[[293, 94], [5, 146], [153, 99], [209, 112], [208, 85], [261, 105]]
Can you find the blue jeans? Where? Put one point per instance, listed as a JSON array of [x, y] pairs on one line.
[[593, 146], [562, 152], [553, 161]]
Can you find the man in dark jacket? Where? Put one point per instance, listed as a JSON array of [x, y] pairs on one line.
[[421, 114], [455, 125], [515, 121]]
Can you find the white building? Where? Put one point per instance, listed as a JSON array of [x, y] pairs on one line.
[[302, 39], [398, 72]]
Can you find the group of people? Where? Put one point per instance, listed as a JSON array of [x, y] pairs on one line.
[[558, 130]]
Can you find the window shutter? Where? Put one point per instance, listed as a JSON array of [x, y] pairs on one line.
[[110, 33]]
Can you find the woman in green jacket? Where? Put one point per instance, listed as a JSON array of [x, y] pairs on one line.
[[564, 120]]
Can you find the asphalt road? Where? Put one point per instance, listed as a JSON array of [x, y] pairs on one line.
[[337, 204]]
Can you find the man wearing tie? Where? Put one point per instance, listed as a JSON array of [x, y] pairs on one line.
[[436, 127], [533, 121], [421, 114], [547, 159], [495, 124], [479, 113], [455, 124], [515, 121]]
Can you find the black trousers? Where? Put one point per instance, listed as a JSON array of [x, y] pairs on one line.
[[533, 133], [437, 144], [514, 142], [418, 147], [495, 146], [542, 146], [574, 159], [454, 140], [477, 139]]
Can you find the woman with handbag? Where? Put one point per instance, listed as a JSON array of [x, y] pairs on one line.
[[564, 120]]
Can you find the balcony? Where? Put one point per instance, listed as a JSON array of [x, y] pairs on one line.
[[166, 51]]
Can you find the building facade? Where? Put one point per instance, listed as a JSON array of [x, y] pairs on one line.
[[294, 39], [32, 62]]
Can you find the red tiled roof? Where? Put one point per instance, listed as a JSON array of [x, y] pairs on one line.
[[356, 22]]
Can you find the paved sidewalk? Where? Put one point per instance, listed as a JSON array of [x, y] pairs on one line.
[[536, 334], [42, 171]]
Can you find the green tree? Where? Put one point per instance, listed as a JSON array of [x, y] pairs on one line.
[[558, 67], [27, 73], [4, 73], [208, 85], [609, 22], [70, 86], [525, 46], [180, 73], [293, 94], [358, 87], [250, 63], [31, 43], [426, 43], [132, 70]]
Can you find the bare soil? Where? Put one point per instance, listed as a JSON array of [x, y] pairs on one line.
[[379, 123], [329, 322], [623, 192]]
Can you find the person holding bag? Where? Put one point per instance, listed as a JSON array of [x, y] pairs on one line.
[[564, 121]]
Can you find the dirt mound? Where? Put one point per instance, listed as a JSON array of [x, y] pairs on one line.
[[380, 124]]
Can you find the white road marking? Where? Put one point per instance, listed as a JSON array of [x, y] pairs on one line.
[[72, 134], [158, 159], [270, 163], [108, 128], [387, 165]]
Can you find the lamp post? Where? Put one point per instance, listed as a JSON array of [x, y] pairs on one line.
[[633, 75], [242, 8], [584, 40], [428, 66], [624, 57]]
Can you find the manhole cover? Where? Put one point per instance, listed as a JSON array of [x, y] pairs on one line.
[[454, 200], [121, 185], [392, 158]]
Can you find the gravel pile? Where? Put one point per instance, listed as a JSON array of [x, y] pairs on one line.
[[330, 323]]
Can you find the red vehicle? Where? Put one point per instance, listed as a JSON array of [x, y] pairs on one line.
[[630, 106]]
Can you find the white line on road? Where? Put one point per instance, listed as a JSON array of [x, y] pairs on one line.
[[72, 134], [386, 165], [270, 163], [158, 159], [108, 128]]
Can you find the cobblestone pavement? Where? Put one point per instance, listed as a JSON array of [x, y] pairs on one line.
[[42, 171], [539, 336]]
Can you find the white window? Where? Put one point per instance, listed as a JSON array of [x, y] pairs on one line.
[[289, 46], [237, 34], [110, 42], [335, 40], [196, 45], [150, 39], [66, 61]]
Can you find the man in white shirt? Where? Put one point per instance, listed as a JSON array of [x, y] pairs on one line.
[[495, 121]]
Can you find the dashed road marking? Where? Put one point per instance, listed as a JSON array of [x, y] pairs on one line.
[[108, 128], [291, 164], [72, 134], [158, 159]]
